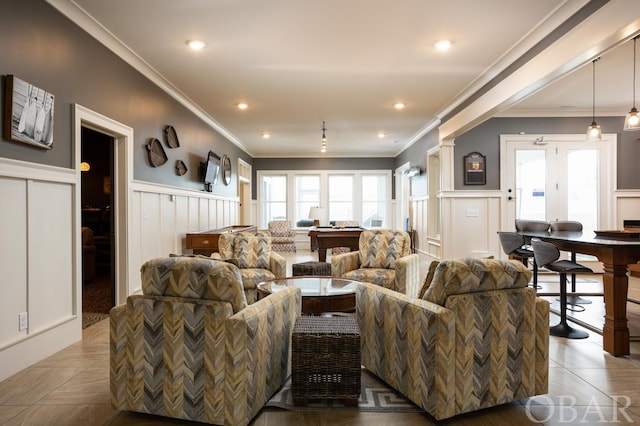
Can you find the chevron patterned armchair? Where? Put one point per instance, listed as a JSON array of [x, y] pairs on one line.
[[191, 348], [255, 257], [479, 338], [384, 258]]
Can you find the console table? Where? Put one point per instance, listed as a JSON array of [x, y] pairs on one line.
[[206, 242]]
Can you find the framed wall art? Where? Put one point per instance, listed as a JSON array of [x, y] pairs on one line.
[[29, 113], [475, 172]]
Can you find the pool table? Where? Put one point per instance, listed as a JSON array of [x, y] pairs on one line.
[[324, 237]]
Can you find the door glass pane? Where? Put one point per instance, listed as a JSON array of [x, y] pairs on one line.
[[582, 187], [530, 192]]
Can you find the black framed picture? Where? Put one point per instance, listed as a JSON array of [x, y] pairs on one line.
[[475, 172], [28, 114]]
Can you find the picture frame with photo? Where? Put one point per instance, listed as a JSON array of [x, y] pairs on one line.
[[29, 113]]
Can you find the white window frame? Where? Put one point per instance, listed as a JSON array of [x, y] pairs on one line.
[[324, 191]]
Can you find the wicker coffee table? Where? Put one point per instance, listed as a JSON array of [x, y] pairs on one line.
[[319, 294]]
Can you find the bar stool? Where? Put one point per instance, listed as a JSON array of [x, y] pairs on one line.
[[524, 225], [570, 226], [547, 255], [514, 245]]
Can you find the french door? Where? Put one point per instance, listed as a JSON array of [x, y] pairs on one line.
[[558, 177]]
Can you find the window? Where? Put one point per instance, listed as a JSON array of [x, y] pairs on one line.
[[307, 195], [362, 196], [341, 197], [374, 200], [274, 196]]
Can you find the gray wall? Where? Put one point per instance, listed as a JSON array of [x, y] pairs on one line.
[[42, 47], [416, 155], [485, 139]]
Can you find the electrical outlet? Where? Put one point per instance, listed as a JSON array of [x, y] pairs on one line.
[[23, 321]]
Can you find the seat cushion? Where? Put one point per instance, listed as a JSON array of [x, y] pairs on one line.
[[382, 277], [254, 276], [252, 252], [381, 250]]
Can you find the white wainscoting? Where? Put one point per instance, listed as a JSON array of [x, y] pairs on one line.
[[627, 205], [163, 216], [40, 269]]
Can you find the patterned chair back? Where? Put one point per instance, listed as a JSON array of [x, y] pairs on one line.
[[280, 228], [193, 278], [381, 248], [463, 276]]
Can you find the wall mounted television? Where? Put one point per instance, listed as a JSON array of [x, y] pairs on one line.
[[211, 171]]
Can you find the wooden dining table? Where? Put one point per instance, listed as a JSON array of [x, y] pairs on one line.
[[615, 253]]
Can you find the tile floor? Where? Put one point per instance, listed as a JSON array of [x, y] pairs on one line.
[[587, 386]]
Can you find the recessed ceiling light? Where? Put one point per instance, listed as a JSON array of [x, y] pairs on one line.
[[382, 135], [266, 136], [243, 105], [196, 44], [442, 45], [399, 105]]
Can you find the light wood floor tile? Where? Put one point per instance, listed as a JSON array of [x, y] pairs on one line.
[[613, 382], [7, 412], [91, 386], [67, 415], [31, 385]]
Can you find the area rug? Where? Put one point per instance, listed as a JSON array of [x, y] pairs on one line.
[[96, 300], [375, 395]]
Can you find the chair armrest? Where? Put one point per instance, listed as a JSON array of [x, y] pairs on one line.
[[542, 346], [345, 262], [408, 275], [278, 265], [258, 353], [410, 344]]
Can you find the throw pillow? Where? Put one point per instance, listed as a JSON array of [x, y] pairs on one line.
[[252, 252]]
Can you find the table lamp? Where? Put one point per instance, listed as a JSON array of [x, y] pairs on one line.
[[316, 213]]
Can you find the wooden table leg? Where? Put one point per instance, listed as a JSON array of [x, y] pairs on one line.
[[615, 334], [322, 254]]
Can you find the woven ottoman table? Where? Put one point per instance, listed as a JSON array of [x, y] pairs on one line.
[[322, 269], [325, 359]]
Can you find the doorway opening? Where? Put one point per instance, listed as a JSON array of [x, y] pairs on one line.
[[98, 247]]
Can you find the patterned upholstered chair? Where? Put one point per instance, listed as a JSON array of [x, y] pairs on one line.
[[343, 224], [384, 258], [254, 256], [282, 236], [478, 338], [190, 348]]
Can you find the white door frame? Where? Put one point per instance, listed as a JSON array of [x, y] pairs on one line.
[[402, 195], [122, 175], [607, 174]]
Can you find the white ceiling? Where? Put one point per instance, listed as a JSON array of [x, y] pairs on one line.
[[346, 62]]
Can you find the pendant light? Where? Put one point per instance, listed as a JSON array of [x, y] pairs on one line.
[[632, 120], [593, 131], [323, 147]]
